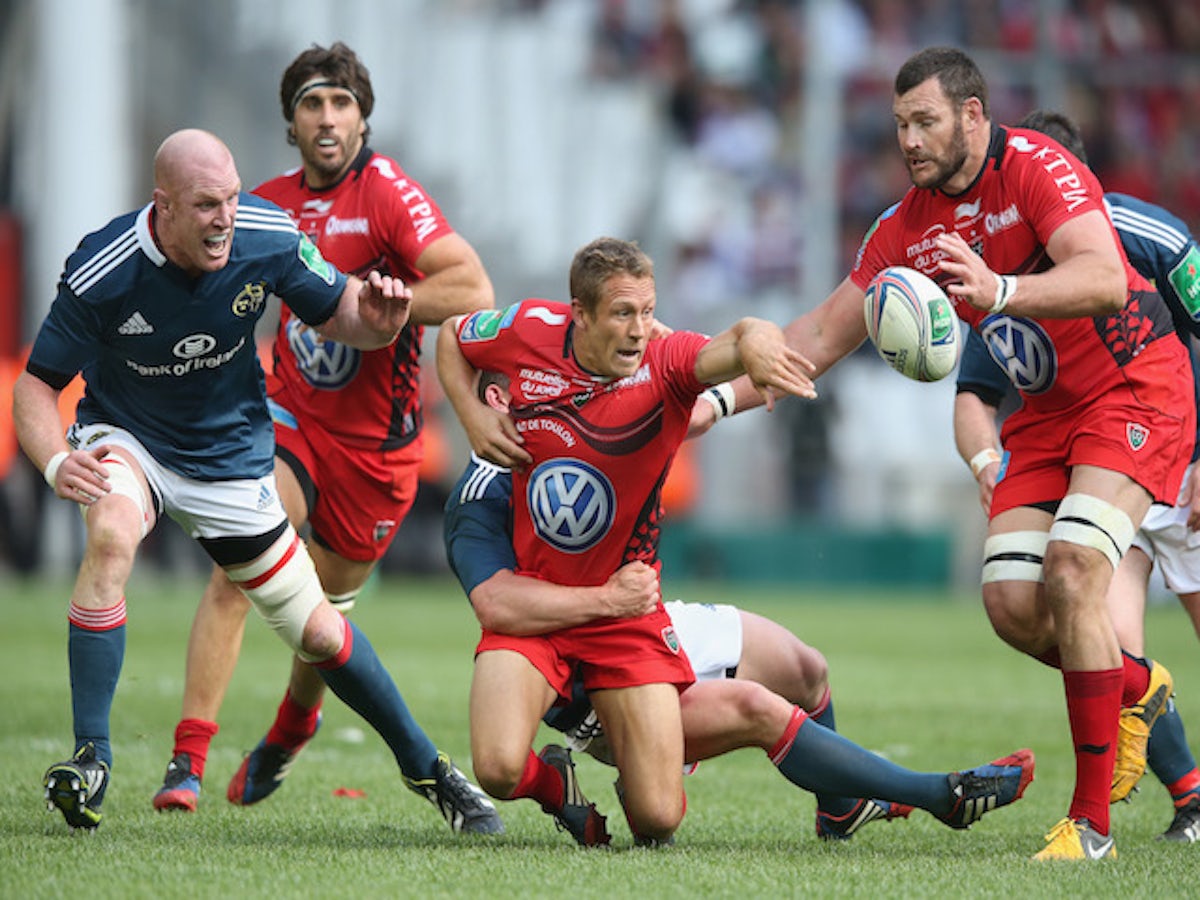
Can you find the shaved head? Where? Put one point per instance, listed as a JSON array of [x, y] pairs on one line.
[[188, 152], [196, 189]]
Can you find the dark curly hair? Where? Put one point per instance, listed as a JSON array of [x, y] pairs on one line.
[[340, 65]]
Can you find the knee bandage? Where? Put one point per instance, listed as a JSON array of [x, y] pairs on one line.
[[1014, 556], [123, 481], [1091, 522], [282, 584]]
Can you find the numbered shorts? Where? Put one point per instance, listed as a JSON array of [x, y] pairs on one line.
[[362, 495], [609, 653]]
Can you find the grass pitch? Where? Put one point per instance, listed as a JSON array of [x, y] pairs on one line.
[[920, 679]]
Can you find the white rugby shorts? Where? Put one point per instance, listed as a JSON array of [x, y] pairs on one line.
[[243, 507], [1165, 538], [711, 635]]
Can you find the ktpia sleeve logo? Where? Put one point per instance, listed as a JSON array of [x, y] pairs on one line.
[[571, 503]]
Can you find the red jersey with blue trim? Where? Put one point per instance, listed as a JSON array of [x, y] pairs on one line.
[[601, 447], [1028, 187], [377, 218]]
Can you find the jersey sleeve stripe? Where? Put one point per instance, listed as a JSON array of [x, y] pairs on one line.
[[105, 261], [263, 220], [1151, 229]]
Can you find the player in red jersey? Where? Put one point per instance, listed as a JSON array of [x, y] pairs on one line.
[[1014, 229], [602, 410], [347, 423]]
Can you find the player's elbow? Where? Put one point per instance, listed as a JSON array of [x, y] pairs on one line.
[[490, 609], [1113, 291]]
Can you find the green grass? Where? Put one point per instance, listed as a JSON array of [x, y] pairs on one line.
[[922, 680]]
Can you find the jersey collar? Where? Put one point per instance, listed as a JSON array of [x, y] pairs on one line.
[[144, 228], [355, 168]]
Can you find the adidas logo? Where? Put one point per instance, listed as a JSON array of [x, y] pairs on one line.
[[136, 324]]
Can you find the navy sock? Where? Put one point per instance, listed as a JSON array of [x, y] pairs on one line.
[[95, 658], [1167, 753], [823, 714], [831, 804], [360, 681], [823, 760]]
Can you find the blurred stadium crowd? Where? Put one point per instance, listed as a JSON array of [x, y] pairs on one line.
[[733, 212]]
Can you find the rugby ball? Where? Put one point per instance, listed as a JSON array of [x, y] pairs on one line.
[[912, 324]]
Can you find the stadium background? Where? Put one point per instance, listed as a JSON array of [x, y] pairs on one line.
[[747, 145]]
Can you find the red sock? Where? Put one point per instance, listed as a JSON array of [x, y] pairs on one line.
[[541, 782], [294, 724], [192, 736], [783, 746], [1093, 705], [1137, 679]]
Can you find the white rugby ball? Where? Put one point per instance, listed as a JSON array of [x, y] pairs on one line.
[[912, 324]]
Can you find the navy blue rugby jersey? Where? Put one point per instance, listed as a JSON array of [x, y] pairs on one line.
[[477, 523], [171, 358]]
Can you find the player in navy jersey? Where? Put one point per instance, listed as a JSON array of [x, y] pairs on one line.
[[1014, 230], [157, 310], [348, 424], [601, 409], [1159, 246], [775, 672]]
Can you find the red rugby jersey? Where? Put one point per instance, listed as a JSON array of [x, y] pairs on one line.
[[378, 218], [1028, 187], [590, 501]]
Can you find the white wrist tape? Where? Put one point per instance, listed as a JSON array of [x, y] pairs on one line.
[[722, 398], [983, 459], [1006, 286], [51, 472]]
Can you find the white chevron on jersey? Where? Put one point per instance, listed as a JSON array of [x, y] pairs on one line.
[[1152, 229], [257, 218], [476, 486], [103, 262]]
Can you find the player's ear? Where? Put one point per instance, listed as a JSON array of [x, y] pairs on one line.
[[577, 313], [973, 110]]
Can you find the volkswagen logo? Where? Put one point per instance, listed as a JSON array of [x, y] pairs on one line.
[[571, 503], [326, 365], [1023, 350]]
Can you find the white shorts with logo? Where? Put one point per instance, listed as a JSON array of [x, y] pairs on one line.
[[244, 507], [711, 635], [1165, 538]]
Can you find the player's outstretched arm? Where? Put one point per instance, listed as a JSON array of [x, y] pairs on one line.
[[757, 348], [822, 336], [371, 312], [491, 434], [508, 603]]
